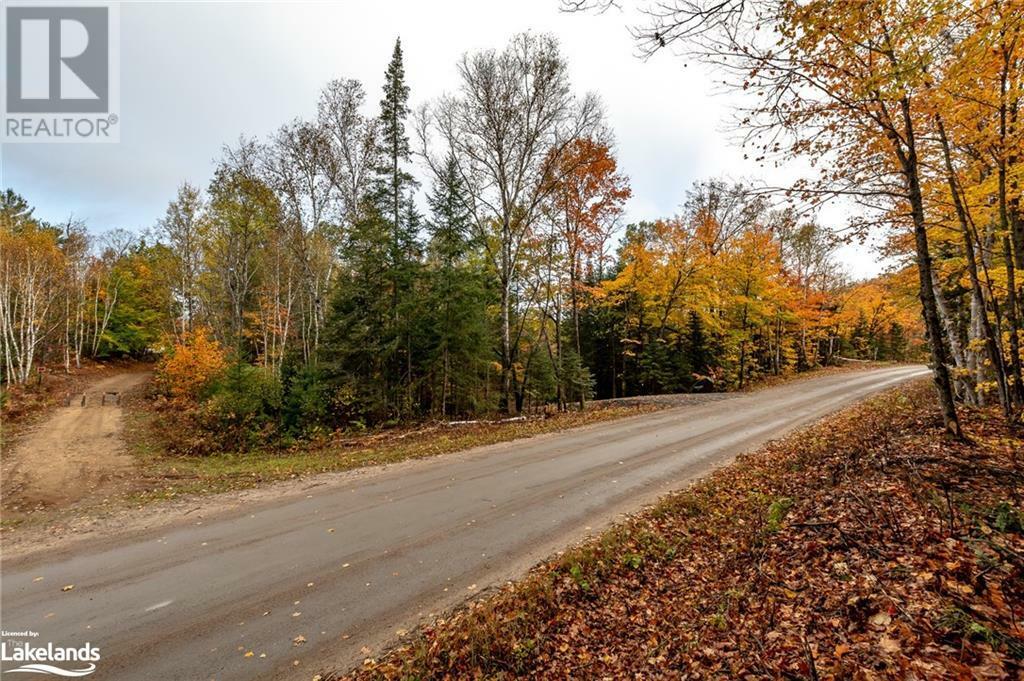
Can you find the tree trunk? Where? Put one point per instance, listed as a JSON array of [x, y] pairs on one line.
[[956, 349], [743, 346], [1017, 388], [994, 355], [933, 327], [444, 385], [505, 401]]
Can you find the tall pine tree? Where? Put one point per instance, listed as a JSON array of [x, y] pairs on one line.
[[390, 198], [357, 354], [457, 331], [394, 184]]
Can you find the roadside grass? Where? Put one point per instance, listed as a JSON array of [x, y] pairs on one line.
[[164, 476], [159, 476], [167, 476], [866, 546]]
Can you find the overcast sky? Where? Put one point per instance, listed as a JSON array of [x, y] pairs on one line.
[[196, 75]]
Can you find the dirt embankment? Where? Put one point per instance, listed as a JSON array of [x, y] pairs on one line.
[[75, 453]]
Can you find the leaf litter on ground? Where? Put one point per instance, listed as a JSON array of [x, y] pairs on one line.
[[867, 546]]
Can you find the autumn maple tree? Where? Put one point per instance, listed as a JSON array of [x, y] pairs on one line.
[[585, 203]]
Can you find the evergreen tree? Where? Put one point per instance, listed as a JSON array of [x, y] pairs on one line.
[[393, 181], [457, 332], [14, 210], [450, 219], [411, 314], [656, 375], [860, 337], [699, 353], [360, 342], [600, 333], [391, 194], [896, 343], [370, 359]]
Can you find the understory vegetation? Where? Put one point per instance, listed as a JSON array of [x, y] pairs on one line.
[[166, 476], [868, 546]]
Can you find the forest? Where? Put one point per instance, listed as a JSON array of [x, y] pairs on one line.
[[314, 284]]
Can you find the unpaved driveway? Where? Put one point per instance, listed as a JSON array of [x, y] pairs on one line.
[[73, 454], [281, 589]]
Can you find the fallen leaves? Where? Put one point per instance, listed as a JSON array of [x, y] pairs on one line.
[[864, 547], [68, 587], [880, 620], [889, 646]]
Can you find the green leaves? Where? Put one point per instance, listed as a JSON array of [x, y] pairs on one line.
[[777, 512], [576, 572]]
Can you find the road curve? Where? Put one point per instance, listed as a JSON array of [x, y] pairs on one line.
[[348, 566]]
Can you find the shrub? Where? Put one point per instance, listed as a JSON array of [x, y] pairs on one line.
[[193, 365], [777, 512], [244, 407], [306, 398]]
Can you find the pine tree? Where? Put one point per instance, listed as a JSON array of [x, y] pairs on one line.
[[391, 193], [360, 344], [457, 329], [698, 349]]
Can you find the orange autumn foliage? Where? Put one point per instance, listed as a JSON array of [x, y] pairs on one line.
[[193, 364]]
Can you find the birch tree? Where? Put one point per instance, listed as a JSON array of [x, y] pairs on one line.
[[297, 165], [182, 229], [31, 275]]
